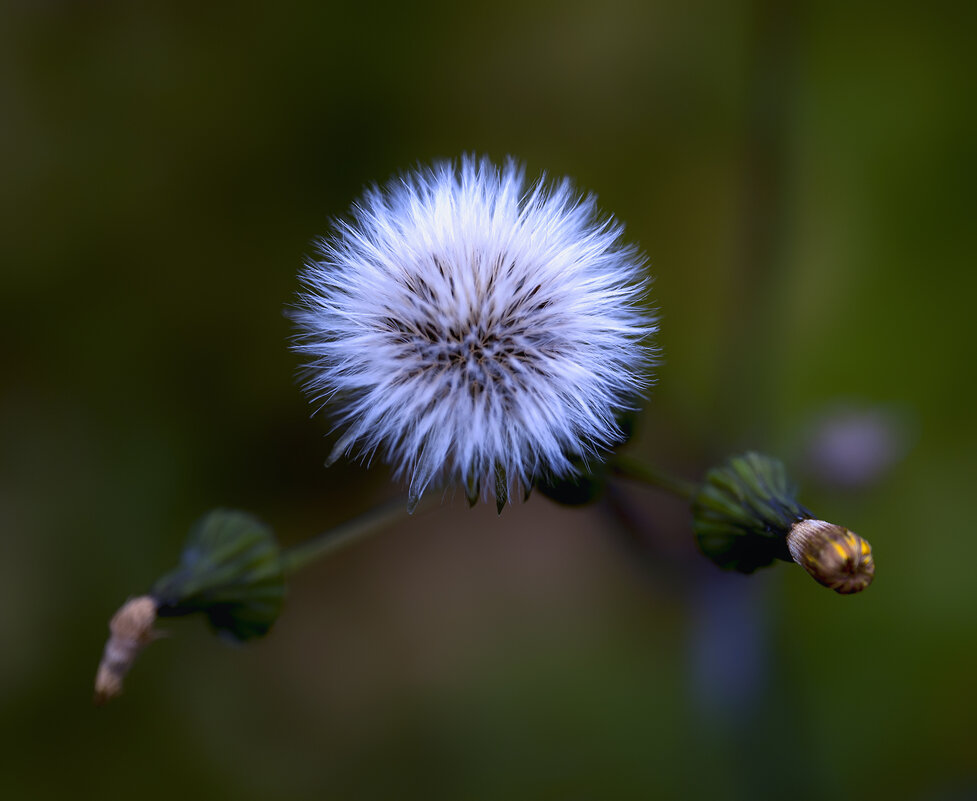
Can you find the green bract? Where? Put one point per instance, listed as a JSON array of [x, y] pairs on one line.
[[744, 511], [231, 571]]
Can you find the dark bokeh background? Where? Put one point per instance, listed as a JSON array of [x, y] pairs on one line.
[[803, 184]]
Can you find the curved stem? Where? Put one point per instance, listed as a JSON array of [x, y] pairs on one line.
[[627, 467], [335, 539]]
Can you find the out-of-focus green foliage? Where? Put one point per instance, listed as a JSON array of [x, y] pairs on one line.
[[801, 180]]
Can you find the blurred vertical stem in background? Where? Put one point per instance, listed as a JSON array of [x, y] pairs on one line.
[[765, 205], [733, 627]]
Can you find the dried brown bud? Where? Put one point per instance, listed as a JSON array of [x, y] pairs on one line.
[[131, 630], [833, 555]]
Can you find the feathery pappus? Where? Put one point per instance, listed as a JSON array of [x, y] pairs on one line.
[[474, 327]]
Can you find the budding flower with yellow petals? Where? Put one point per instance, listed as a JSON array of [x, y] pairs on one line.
[[833, 555], [746, 516]]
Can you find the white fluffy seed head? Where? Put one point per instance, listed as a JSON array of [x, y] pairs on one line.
[[474, 328]]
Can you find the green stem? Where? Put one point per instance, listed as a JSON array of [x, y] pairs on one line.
[[626, 467], [335, 539]]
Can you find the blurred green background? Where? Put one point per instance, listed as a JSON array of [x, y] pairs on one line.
[[802, 180]]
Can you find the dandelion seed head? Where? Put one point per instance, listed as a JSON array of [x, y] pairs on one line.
[[469, 325]]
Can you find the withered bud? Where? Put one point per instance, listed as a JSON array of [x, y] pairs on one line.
[[833, 555], [131, 630]]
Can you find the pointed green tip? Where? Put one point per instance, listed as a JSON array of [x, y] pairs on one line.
[[473, 489], [412, 502], [501, 488]]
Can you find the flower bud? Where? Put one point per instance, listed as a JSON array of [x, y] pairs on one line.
[[747, 515], [834, 556], [230, 570], [131, 630]]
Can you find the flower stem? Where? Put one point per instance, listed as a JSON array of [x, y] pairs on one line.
[[627, 467], [335, 539]]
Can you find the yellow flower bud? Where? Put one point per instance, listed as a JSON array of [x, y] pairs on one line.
[[833, 555]]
